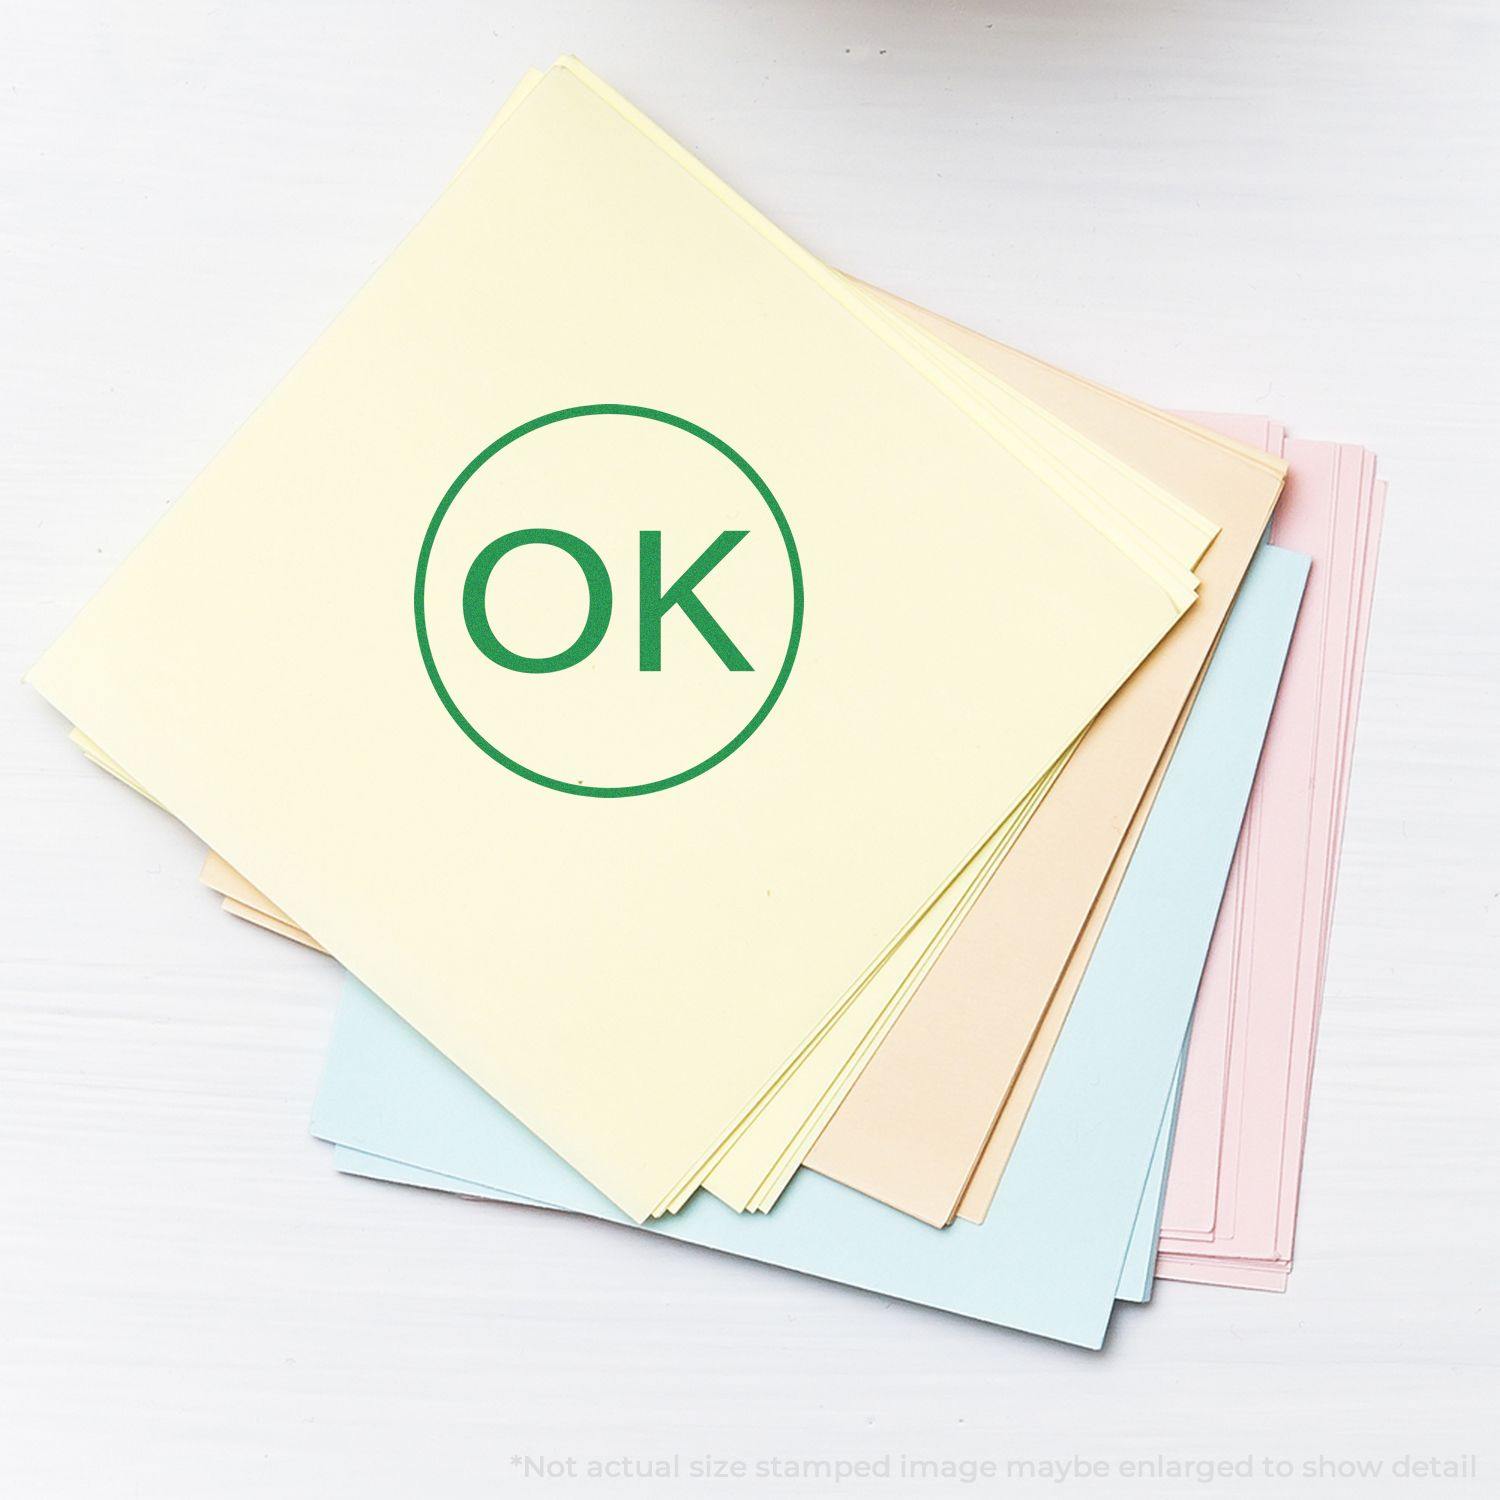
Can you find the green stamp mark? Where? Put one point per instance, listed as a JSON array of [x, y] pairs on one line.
[[656, 602]]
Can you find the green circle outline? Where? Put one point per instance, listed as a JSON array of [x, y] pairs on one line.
[[651, 414]]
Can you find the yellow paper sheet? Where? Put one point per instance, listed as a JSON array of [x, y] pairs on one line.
[[629, 975]]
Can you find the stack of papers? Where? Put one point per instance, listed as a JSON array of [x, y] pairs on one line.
[[768, 758]]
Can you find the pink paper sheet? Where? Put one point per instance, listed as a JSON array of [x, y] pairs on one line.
[[1236, 1166]]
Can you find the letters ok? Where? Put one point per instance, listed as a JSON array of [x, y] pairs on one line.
[[655, 602]]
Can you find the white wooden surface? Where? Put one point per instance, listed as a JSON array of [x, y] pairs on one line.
[[1264, 206]]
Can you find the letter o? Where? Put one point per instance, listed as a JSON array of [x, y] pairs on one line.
[[595, 575]]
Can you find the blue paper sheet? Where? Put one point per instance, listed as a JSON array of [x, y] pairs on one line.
[[1050, 1255]]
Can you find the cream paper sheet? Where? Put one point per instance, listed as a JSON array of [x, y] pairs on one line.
[[253, 664]]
